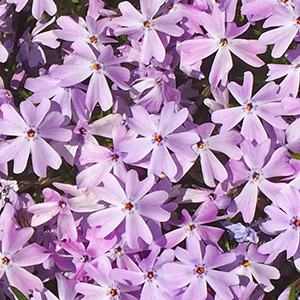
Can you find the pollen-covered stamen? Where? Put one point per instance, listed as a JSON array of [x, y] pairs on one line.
[[298, 20], [255, 176], [148, 24], [114, 157], [150, 275], [82, 130], [5, 260], [47, 229], [201, 145], [31, 133], [284, 1], [84, 258], [200, 270], [190, 227], [169, 6], [118, 251], [158, 138], [93, 40], [62, 204], [246, 263], [249, 106], [113, 292], [223, 42], [296, 222], [96, 66], [128, 206]]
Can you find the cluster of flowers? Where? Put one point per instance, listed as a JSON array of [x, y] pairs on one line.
[[120, 179]]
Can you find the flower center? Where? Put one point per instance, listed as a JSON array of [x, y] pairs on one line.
[[150, 275], [255, 176], [118, 251], [113, 292], [170, 6], [148, 24], [84, 258], [114, 157], [128, 206], [82, 130], [31, 133], [200, 270], [47, 229], [201, 145], [190, 227], [284, 1], [297, 223], [62, 204], [298, 20], [249, 106], [223, 42], [93, 40], [246, 263], [158, 138], [5, 260], [96, 66]]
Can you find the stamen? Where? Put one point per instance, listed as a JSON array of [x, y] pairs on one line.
[[200, 270], [297, 223], [96, 66], [31, 133], [298, 20], [190, 227], [82, 130], [246, 263], [5, 260], [114, 157], [200, 145], [47, 229], [170, 6], [255, 176], [84, 258], [118, 251], [223, 42], [93, 40], [148, 24], [150, 275], [158, 138], [249, 106], [128, 206], [113, 292], [62, 204]]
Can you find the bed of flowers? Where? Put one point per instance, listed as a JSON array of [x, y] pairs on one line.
[[149, 149]]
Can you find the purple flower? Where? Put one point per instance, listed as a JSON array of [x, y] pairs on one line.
[[133, 205], [32, 127], [264, 104], [284, 221], [158, 138], [221, 38], [85, 63], [153, 30], [15, 257], [256, 171], [196, 269]]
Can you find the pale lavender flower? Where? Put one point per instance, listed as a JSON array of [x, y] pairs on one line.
[[134, 206], [195, 269], [32, 127], [14, 257]]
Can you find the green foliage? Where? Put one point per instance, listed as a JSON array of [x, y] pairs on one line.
[[18, 293]]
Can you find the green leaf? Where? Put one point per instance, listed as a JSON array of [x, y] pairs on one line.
[[292, 295], [18, 293]]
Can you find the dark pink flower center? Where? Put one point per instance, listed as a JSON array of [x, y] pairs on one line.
[[128, 206], [200, 270], [93, 40], [223, 42], [31, 133], [114, 157], [62, 204], [5, 260], [246, 263]]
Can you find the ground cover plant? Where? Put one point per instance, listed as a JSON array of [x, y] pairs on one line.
[[149, 149]]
